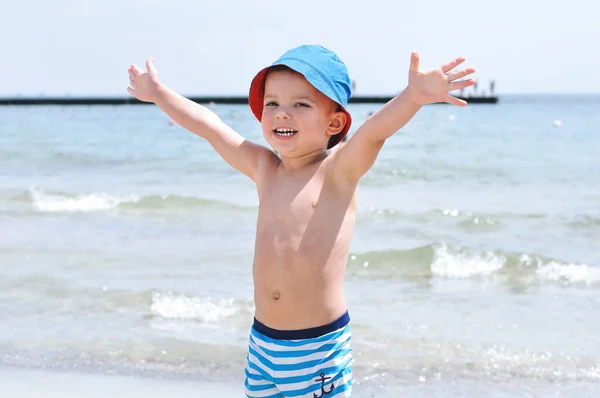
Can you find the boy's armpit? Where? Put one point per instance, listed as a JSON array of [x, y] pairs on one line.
[[354, 158]]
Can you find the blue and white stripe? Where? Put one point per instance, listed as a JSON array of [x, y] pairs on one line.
[[292, 368]]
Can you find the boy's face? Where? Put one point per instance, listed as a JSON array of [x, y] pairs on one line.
[[297, 118]]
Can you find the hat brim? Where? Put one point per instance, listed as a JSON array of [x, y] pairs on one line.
[[257, 94]]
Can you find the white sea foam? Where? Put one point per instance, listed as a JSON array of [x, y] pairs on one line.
[[456, 263], [179, 306], [450, 263], [56, 203], [553, 366], [568, 273]]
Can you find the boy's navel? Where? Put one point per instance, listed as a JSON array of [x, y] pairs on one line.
[[275, 295]]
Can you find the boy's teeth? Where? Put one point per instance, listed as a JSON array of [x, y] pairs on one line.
[[285, 132]]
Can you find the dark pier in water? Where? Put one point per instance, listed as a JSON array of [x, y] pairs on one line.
[[240, 100]]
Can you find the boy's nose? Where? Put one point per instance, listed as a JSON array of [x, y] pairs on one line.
[[282, 114]]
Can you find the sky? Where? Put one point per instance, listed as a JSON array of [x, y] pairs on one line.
[[215, 47]]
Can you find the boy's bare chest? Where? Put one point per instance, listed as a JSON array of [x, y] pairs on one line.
[[310, 209], [293, 202], [301, 221]]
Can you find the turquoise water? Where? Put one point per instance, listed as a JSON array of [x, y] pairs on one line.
[[126, 246]]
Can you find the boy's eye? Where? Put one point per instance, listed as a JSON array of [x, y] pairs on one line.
[[271, 103], [302, 104]]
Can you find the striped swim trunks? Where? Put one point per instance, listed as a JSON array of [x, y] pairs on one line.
[[308, 363]]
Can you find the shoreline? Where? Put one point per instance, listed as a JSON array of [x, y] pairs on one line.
[[21, 382], [50, 383]]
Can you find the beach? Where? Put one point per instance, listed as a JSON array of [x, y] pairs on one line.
[[29, 383], [52, 384], [126, 248]]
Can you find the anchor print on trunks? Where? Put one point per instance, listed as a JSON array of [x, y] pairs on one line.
[[323, 391]]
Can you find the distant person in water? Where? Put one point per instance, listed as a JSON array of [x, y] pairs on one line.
[[299, 344]]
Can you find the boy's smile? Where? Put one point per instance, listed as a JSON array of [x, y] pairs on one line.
[[284, 132]]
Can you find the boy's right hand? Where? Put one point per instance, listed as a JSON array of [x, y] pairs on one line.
[[143, 85]]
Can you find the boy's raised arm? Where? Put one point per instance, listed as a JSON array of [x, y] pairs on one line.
[[240, 153], [424, 87]]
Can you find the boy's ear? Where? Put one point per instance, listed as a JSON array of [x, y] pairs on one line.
[[337, 123]]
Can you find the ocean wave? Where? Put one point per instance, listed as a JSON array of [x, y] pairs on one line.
[[463, 219], [381, 362], [452, 263], [391, 172], [167, 357], [435, 359], [60, 202], [155, 202], [82, 158], [451, 213], [585, 222], [480, 221], [65, 157], [442, 260], [62, 296], [204, 309]]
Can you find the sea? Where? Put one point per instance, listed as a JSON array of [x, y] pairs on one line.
[[126, 248]]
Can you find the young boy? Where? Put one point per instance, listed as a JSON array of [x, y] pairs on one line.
[[300, 340]]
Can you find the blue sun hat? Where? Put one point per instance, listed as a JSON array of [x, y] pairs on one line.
[[321, 68]]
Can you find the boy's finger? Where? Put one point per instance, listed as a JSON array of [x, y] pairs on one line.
[[460, 74], [461, 84], [455, 101], [131, 91], [136, 70], [150, 64], [414, 62], [448, 66]]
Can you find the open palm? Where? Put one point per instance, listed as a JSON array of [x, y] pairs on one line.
[[434, 85], [143, 85]]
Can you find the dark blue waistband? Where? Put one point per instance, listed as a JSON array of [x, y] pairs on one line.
[[310, 333]]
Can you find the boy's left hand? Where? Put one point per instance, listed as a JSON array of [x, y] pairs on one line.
[[429, 86]]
